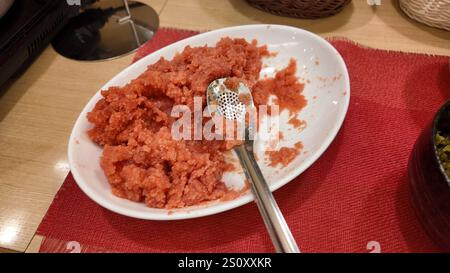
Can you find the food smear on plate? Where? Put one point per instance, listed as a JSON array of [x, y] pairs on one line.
[[284, 156], [297, 123], [141, 159]]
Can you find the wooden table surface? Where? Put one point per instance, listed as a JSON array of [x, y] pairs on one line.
[[38, 110]]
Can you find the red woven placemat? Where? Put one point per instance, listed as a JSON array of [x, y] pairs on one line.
[[355, 195]]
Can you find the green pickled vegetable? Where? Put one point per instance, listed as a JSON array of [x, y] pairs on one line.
[[443, 149]]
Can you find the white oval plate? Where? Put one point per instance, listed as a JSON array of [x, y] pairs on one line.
[[328, 95]]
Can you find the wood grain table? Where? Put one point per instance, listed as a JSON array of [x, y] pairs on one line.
[[37, 111]]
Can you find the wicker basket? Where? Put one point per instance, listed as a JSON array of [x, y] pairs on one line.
[[435, 13], [308, 9]]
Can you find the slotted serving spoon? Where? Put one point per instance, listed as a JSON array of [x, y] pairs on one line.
[[229, 104]]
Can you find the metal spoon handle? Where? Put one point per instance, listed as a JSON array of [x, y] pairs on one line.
[[275, 223]]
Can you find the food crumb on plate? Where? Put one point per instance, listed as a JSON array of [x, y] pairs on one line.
[[297, 123], [284, 156]]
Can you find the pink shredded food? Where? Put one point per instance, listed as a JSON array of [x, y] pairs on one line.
[[140, 159]]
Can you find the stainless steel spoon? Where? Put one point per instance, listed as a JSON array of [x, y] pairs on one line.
[[229, 104]]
